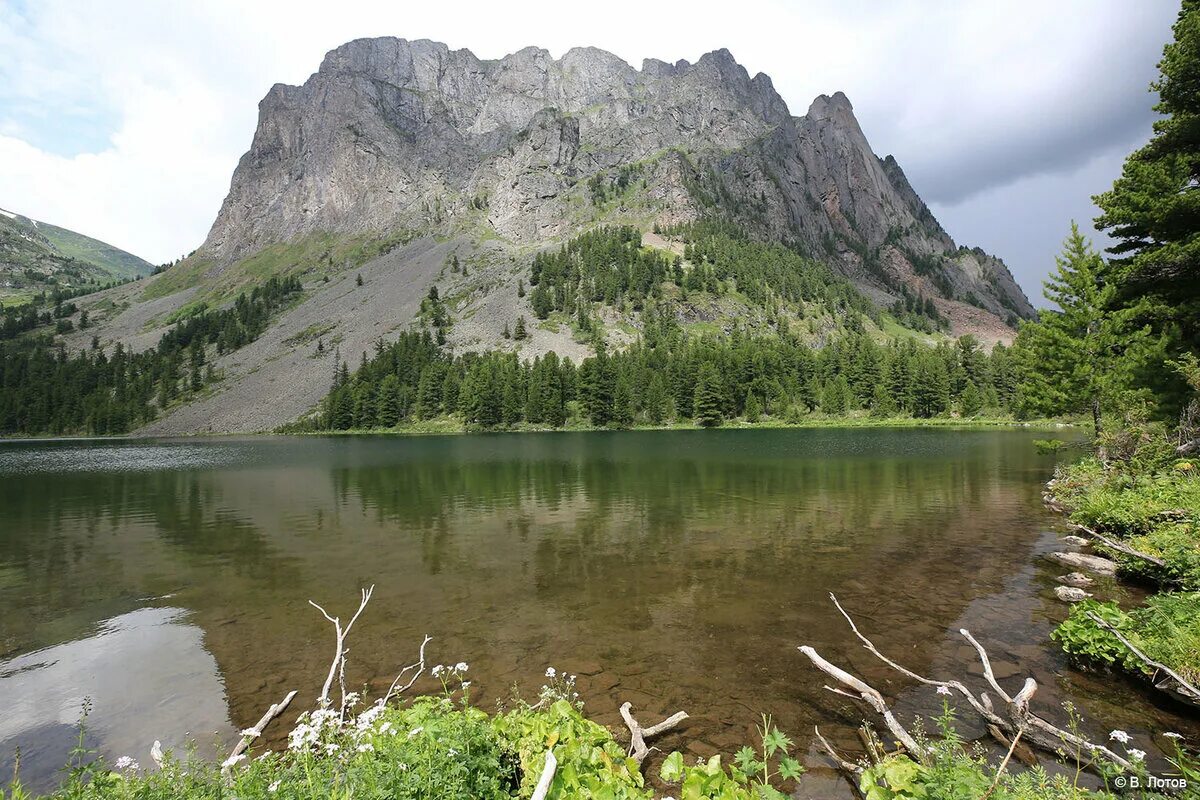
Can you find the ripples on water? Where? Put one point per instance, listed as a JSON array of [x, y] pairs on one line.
[[674, 570]]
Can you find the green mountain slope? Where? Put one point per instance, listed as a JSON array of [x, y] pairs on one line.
[[36, 256]]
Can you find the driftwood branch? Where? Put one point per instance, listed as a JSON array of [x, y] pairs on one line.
[[1014, 719], [250, 735], [416, 669], [337, 668], [638, 735], [1120, 547], [547, 777], [1163, 676], [865, 692]]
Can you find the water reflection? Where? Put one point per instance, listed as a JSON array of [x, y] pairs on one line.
[[668, 569], [145, 675]]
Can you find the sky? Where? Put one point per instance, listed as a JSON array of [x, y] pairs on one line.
[[124, 119]]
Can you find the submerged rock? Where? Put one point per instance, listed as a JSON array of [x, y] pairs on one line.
[[1077, 541], [1071, 594], [1077, 579], [1096, 564]]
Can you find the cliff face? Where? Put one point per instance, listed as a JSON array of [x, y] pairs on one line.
[[392, 134]]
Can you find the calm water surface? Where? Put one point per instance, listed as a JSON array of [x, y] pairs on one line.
[[168, 581]]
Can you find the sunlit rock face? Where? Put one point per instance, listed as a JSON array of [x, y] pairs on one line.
[[391, 134]]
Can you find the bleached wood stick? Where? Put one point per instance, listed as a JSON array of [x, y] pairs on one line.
[[547, 777], [867, 693], [337, 666], [1018, 719], [274, 711], [638, 734], [419, 666]]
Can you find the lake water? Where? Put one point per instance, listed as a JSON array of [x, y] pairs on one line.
[[167, 581]]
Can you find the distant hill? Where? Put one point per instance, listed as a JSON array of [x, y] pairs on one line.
[[37, 256]]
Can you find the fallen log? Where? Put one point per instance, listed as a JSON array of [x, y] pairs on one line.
[[1120, 547], [1170, 681]]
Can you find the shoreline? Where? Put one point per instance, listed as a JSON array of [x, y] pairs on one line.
[[447, 427]]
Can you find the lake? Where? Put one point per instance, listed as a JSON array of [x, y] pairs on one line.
[[167, 581]]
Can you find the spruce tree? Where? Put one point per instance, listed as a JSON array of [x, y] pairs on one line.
[[707, 404], [1079, 358]]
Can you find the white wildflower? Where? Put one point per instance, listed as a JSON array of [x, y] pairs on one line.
[[274, 787], [943, 690], [1172, 735], [366, 747], [332, 748], [1119, 736], [415, 732], [550, 673], [452, 753], [461, 666], [232, 760], [466, 684], [125, 762], [1137, 755], [438, 670], [385, 727]]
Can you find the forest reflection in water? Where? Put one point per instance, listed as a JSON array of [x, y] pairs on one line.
[[670, 569]]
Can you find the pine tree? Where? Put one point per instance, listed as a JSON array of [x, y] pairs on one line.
[[519, 332], [622, 403], [387, 403], [971, 401], [707, 405], [1153, 209], [1078, 359], [931, 386], [753, 407], [835, 398], [656, 400]]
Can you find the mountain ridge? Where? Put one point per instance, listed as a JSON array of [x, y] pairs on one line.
[[390, 133]]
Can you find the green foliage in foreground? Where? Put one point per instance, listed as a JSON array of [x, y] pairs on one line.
[[1167, 629], [1145, 496], [442, 748]]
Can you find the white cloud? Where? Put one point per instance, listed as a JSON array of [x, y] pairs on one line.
[[969, 97]]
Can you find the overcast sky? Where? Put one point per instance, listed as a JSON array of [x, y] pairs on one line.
[[124, 119]]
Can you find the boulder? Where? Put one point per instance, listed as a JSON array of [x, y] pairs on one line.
[[1096, 564]]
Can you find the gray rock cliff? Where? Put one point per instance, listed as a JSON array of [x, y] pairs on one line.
[[392, 134]]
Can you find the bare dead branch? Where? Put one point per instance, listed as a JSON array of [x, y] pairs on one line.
[[337, 666], [638, 735], [868, 694], [546, 778], [419, 668], [249, 736], [1016, 719]]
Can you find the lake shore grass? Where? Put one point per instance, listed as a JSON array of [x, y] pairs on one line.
[[455, 426], [1148, 501]]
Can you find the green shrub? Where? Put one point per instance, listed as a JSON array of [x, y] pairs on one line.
[[1167, 629]]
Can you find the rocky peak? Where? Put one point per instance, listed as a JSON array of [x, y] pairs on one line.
[[388, 129]]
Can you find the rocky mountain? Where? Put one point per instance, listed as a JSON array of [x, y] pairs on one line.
[[37, 256], [403, 166], [390, 134]]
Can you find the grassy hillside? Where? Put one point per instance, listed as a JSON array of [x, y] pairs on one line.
[[36, 257]]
